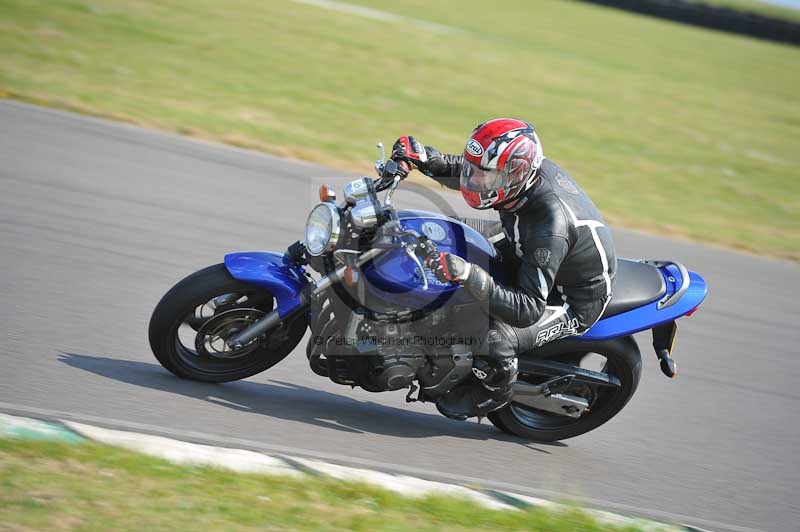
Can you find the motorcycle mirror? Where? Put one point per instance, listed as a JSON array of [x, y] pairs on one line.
[[379, 164]]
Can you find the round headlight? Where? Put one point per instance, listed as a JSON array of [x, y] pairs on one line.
[[322, 229]]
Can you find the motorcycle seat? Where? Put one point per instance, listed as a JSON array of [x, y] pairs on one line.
[[636, 284]]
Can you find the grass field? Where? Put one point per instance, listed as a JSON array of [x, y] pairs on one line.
[[670, 128], [57, 487]]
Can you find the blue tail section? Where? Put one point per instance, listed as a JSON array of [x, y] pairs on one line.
[[653, 314], [282, 277]]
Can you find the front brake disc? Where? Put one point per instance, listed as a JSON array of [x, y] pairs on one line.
[[211, 338]]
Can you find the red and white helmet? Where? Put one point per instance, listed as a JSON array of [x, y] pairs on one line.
[[500, 162]]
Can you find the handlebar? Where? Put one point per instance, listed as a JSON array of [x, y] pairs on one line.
[[391, 235], [389, 173]]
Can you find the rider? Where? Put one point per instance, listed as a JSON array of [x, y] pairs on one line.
[[563, 252]]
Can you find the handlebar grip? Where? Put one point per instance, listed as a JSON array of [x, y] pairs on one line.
[[390, 168], [396, 167]]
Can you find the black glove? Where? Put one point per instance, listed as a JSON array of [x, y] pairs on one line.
[[426, 159], [448, 267]]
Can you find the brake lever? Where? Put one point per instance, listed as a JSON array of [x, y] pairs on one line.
[[411, 252], [420, 250]]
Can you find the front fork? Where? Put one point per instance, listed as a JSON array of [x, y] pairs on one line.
[[309, 293]]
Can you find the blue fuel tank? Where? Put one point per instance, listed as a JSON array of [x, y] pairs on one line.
[[395, 278]]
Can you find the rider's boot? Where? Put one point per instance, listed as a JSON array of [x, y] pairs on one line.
[[491, 389]]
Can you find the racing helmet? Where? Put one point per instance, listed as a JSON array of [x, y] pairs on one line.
[[500, 162]]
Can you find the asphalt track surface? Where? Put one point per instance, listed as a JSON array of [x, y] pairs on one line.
[[98, 220]]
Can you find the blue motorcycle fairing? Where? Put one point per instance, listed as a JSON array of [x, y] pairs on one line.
[[282, 277], [458, 236], [395, 277], [648, 316]]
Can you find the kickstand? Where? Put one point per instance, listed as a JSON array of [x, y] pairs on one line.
[[411, 389]]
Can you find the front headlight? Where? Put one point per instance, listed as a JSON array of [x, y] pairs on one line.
[[322, 229]]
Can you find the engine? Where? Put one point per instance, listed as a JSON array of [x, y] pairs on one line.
[[394, 367], [389, 349], [379, 353], [386, 356]]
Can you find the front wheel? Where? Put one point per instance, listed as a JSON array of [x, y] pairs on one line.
[[191, 323], [619, 357]]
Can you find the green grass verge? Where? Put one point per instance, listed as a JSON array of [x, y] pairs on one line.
[[670, 128], [59, 487]]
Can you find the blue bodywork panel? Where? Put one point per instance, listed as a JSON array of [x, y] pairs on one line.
[[648, 316], [282, 277], [395, 277]]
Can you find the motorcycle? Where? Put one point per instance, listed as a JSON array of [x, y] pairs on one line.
[[380, 320]]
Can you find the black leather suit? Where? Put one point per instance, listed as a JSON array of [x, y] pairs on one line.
[[564, 262]]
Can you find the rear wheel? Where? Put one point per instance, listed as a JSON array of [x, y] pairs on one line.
[[191, 323], [619, 357]]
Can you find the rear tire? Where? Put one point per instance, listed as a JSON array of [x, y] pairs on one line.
[[179, 316], [623, 360]]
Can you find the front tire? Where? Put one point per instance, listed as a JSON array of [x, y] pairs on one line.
[[189, 326], [622, 359]]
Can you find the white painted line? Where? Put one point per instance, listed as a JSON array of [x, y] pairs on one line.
[[376, 14], [182, 452], [404, 485]]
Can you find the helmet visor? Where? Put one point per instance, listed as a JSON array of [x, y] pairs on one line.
[[478, 179]]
